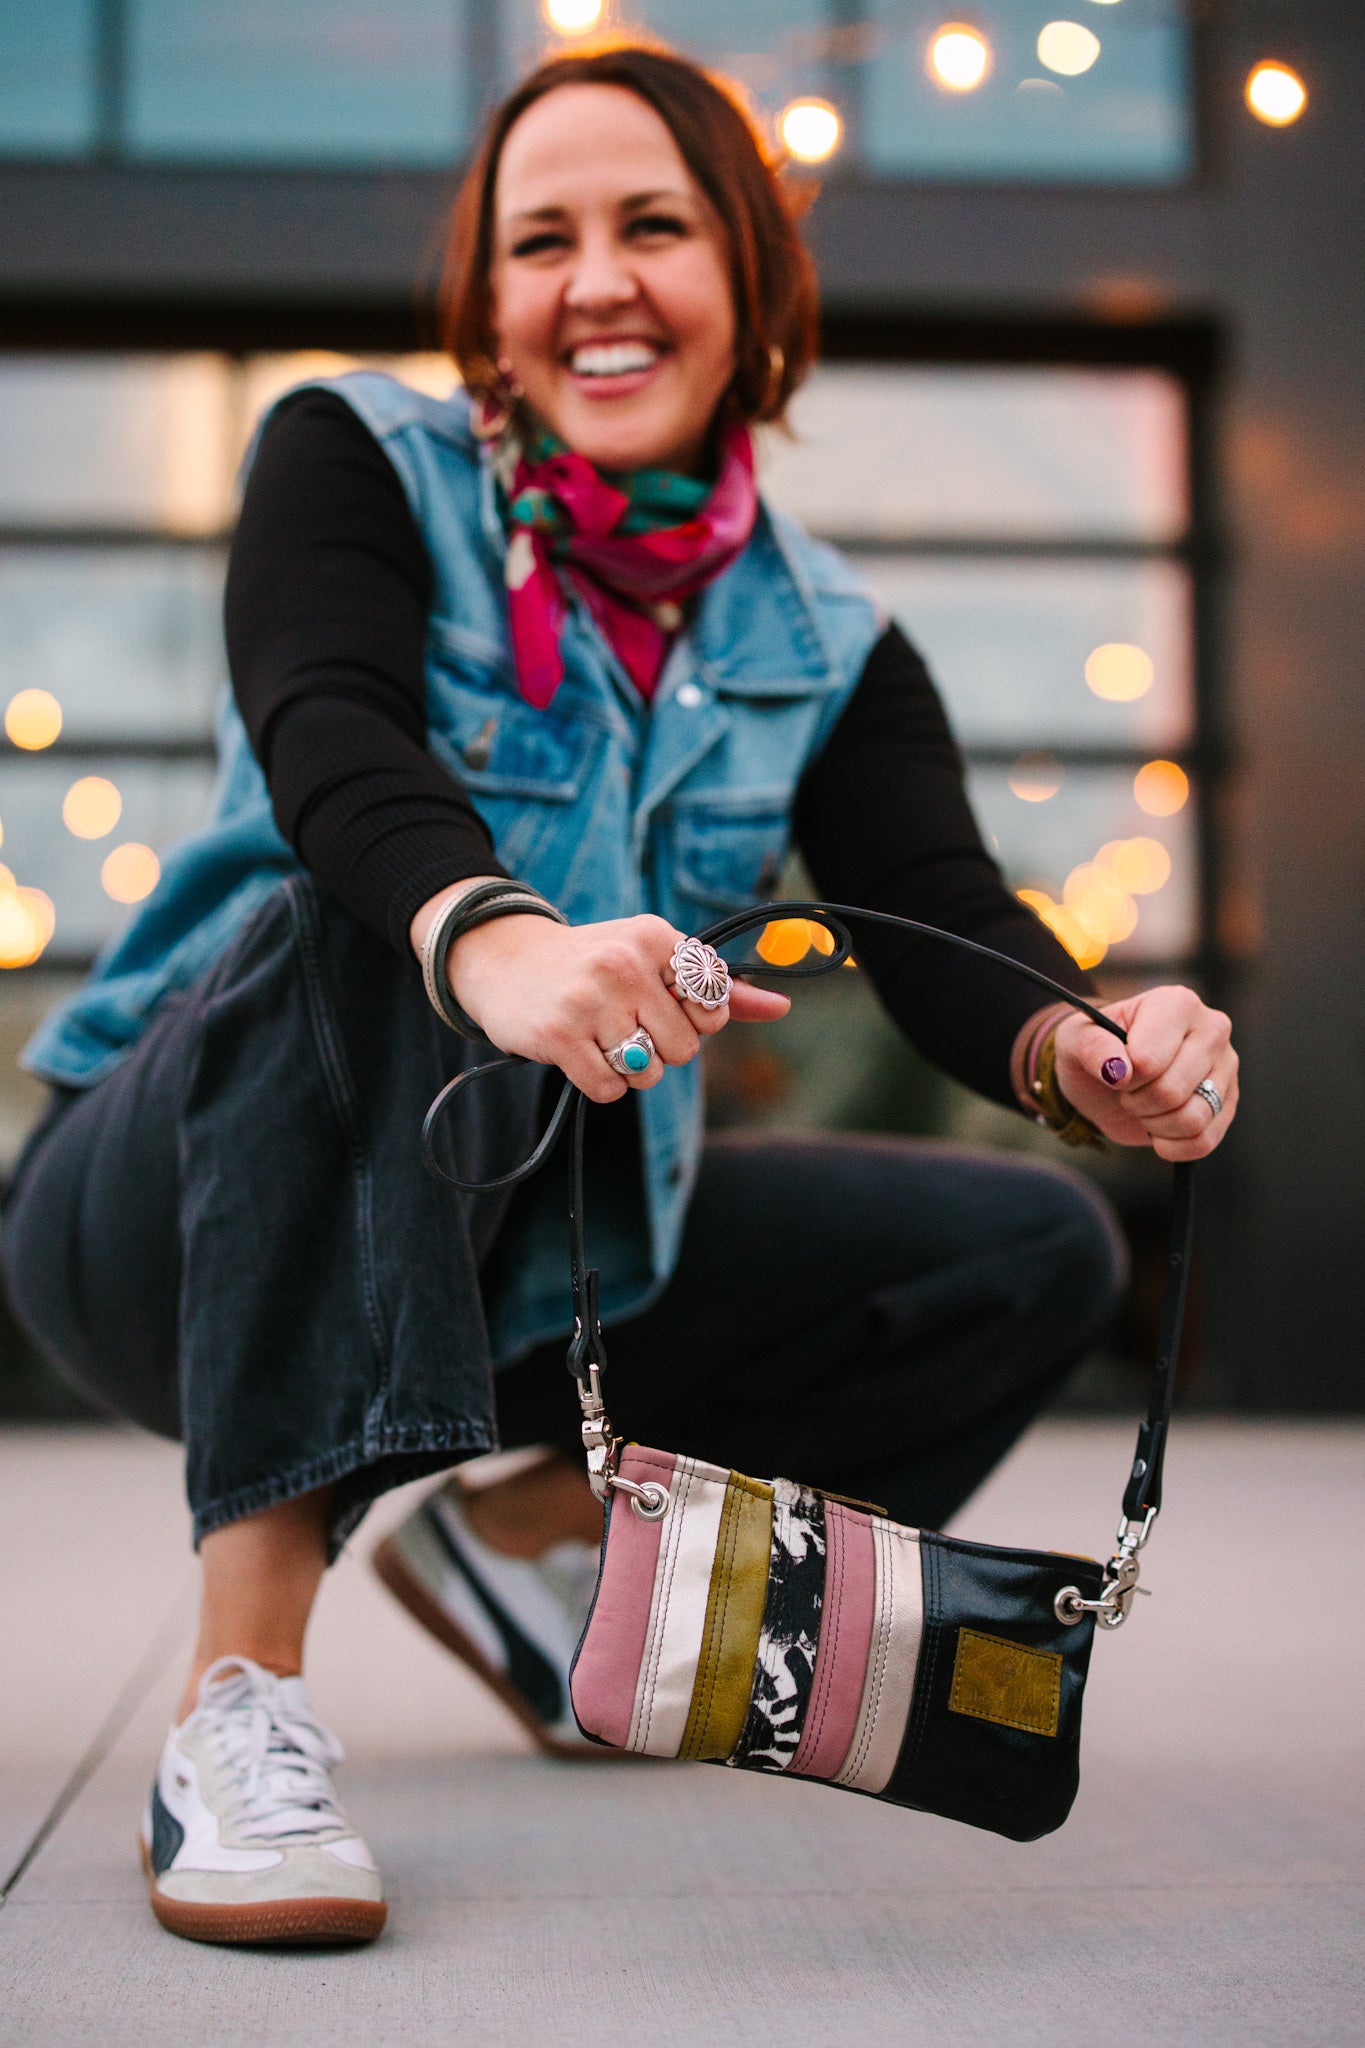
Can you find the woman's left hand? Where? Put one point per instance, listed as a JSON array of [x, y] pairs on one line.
[[1144, 1093]]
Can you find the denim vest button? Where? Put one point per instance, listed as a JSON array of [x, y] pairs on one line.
[[689, 696]]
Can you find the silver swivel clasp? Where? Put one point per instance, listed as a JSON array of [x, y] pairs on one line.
[[1121, 1576]]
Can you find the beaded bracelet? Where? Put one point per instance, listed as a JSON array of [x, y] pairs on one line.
[[480, 905], [1060, 1116]]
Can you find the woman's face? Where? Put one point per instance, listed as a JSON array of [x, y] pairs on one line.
[[611, 295]]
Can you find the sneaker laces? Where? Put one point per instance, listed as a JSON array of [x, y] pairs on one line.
[[273, 1755]]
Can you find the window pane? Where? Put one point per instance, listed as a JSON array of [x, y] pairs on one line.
[[346, 80], [47, 101], [161, 804], [1124, 118], [125, 441], [1004, 454], [1010, 643], [128, 640], [1040, 844], [777, 48]]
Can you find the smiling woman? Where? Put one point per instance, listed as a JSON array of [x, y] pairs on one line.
[[529, 682]]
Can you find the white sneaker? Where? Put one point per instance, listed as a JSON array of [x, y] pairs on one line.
[[244, 1838], [516, 1621]]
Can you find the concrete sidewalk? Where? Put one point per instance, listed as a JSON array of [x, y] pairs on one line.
[[1207, 1890]]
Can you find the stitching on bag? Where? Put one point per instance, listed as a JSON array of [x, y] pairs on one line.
[[709, 1669], [670, 1567], [828, 1674], [883, 1654]]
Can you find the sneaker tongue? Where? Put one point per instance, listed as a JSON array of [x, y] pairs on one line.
[[292, 1694]]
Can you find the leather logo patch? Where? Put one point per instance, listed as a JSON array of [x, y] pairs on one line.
[[998, 1681]]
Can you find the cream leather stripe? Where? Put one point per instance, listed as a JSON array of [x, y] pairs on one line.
[[677, 1618], [898, 1625]]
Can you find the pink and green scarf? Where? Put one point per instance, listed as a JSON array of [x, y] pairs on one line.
[[635, 547]]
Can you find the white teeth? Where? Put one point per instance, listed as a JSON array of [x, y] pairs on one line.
[[612, 358]]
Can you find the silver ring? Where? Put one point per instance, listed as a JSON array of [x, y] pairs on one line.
[[700, 975], [1210, 1095], [639, 1042]]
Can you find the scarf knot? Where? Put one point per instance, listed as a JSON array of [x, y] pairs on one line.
[[635, 547]]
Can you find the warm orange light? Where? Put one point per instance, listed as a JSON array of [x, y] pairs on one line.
[[1035, 777], [1119, 672], [811, 130], [959, 57], [33, 719], [1276, 94], [1137, 865], [92, 807], [1106, 910], [130, 872], [1161, 789], [784, 942], [27, 922], [1067, 47], [573, 17]]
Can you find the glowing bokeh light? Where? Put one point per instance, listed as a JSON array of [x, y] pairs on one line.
[[1138, 865], [1276, 94], [33, 719], [27, 922], [1106, 910], [784, 942], [1119, 672], [1161, 788], [810, 129], [959, 57], [92, 807], [1067, 47], [130, 872], [573, 17], [1035, 777]]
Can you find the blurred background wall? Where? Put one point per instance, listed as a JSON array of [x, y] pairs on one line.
[[1090, 418]]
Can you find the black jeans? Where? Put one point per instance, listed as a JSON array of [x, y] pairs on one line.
[[231, 1239]]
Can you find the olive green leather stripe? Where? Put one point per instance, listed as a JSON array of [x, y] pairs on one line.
[[734, 1617]]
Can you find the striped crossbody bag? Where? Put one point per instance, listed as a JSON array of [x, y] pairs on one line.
[[775, 1627]]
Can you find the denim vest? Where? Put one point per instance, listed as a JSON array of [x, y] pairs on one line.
[[608, 805]]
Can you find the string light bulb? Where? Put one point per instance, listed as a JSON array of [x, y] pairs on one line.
[[33, 719], [1119, 672], [130, 872], [1067, 47], [1276, 94], [573, 17], [1161, 788], [91, 807], [959, 57], [811, 130]]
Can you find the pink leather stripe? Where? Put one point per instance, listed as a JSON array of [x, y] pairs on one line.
[[608, 1668], [845, 1639]]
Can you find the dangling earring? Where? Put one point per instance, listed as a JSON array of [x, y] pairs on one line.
[[492, 410], [777, 367]]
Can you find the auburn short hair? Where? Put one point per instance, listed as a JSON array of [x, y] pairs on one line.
[[776, 301]]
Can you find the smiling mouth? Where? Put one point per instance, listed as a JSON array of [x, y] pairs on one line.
[[603, 360]]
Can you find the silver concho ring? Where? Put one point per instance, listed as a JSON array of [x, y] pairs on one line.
[[632, 1055], [1210, 1095], [700, 975]]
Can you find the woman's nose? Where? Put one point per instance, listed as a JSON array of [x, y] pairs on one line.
[[601, 276]]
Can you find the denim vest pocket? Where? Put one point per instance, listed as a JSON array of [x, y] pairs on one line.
[[523, 768], [724, 852]]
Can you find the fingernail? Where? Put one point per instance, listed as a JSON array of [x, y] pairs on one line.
[[1114, 1071]]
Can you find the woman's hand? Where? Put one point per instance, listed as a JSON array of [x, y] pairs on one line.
[[1143, 1093], [563, 995]]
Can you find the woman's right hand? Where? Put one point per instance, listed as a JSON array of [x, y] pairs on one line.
[[562, 995]]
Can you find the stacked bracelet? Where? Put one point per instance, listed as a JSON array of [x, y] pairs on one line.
[[1054, 1110], [479, 905]]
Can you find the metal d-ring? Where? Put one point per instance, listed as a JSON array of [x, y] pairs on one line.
[[649, 1502]]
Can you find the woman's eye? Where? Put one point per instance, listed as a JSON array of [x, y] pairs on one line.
[[648, 225], [539, 244]]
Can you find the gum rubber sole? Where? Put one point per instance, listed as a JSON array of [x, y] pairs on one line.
[[408, 1590], [293, 1922]]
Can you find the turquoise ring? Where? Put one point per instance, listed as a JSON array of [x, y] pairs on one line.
[[632, 1055]]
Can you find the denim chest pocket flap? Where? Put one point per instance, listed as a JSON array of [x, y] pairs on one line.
[[728, 850], [499, 746]]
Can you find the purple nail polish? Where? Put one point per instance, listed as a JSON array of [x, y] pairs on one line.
[[1114, 1071]]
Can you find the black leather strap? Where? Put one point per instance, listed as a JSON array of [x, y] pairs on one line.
[[1143, 1495]]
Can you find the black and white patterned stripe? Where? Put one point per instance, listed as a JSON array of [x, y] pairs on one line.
[[785, 1665]]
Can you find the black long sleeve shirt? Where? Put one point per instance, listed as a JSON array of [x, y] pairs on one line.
[[327, 599]]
